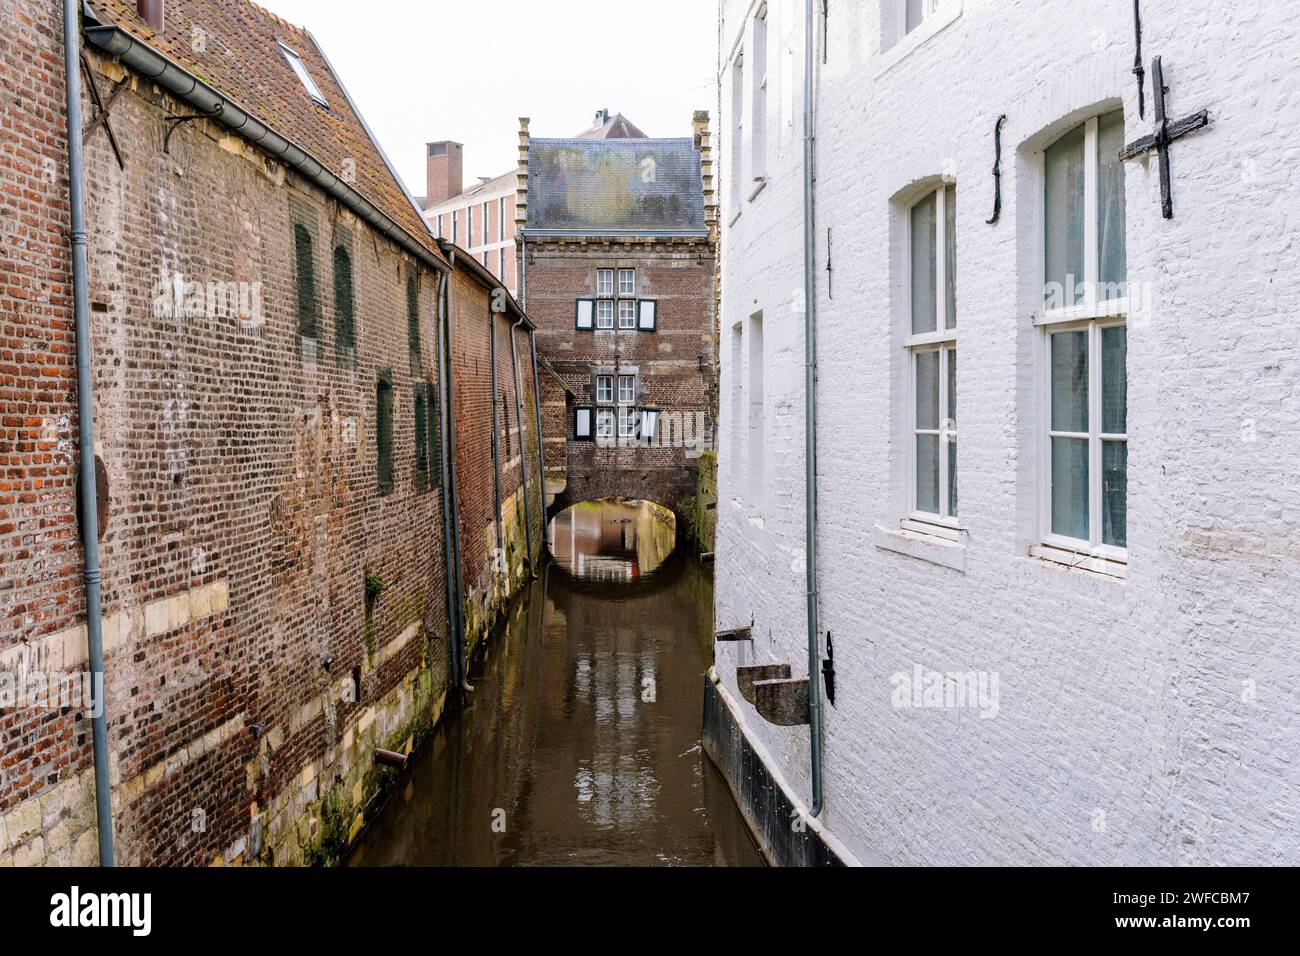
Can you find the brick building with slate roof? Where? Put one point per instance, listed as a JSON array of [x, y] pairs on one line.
[[617, 239]]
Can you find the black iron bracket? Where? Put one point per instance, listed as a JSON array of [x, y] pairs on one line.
[[103, 108], [997, 170], [176, 121], [828, 670], [1138, 69]]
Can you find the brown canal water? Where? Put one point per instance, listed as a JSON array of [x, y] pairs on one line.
[[580, 744]]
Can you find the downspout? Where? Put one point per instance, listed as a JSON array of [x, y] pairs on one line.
[[810, 415], [523, 455], [86, 426], [452, 486], [496, 449], [448, 438], [541, 438]]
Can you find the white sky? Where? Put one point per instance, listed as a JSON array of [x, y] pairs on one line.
[[466, 70]]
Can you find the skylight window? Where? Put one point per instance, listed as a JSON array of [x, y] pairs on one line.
[[295, 61]]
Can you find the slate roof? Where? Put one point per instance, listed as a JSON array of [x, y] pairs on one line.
[[240, 58], [602, 187], [617, 126]]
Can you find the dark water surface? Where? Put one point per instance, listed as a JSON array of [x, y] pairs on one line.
[[581, 741]]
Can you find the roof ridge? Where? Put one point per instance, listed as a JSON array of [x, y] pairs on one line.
[[273, 15]]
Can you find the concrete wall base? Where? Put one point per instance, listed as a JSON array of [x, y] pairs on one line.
[[777, 820]]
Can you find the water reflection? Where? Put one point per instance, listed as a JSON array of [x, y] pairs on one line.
[[612, 540], [581, 741]]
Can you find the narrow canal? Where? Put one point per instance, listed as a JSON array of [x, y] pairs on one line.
[[580, 744]]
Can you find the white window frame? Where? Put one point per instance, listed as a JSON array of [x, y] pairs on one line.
[[605, 389], [300, 70], [626, 389], [1094, 315], [501, 219], [627, 282], [604, 424], [604, 313], [941, 340], [627, 314], [628, 419], [928, 9], [605, 283]]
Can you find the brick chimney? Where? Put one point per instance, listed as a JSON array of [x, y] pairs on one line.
[[151, 12], [445, 175]]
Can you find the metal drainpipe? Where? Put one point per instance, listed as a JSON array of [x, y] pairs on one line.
[[541, 438], [86, 425], [523, 455], [453, 490], [810, 415], [453, 646], [496, 446]]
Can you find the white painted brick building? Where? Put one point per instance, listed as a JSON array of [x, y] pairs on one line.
[[1148, 706]]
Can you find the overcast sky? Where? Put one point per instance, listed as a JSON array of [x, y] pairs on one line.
[[466, 70]]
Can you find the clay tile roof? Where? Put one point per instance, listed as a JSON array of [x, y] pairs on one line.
[[232, 46]]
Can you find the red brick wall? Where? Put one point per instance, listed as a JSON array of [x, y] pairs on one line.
[[472, 348], [676, 364], [238, 457], [40, 556]]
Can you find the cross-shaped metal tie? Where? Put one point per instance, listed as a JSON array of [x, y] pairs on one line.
[[1166, 132]]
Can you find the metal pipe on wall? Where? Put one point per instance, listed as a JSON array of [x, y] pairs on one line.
[[496, 447], [541, 437], [523, 454], [453, 485], [810, 415], [89, 492], [447, 441]]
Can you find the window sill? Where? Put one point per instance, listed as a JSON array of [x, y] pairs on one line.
[[1106, 567], [929, 547], [908, 44]]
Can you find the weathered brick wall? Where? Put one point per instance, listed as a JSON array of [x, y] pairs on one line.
[[674, 364], [490, 581], [1141, 722], [245, 513]]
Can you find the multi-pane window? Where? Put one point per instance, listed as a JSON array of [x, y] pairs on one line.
[[626, 389], [413, 323], [627, 282], [604, 388], [604, 282], [344, 328], [917, 11], [604, 423], [627, 419], [627, 313], [604, 313], [1085, 480], [305, 273], [384, 429], [932, 356], [428, 460]]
